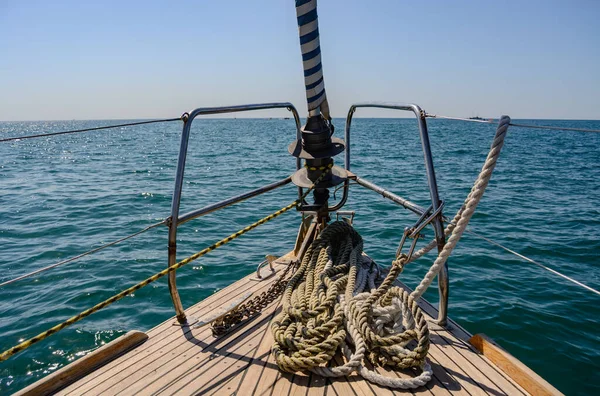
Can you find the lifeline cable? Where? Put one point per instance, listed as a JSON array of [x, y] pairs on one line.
[[14, 138], [548, 127], [49, 267]]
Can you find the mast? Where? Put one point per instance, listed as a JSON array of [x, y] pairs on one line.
[[317, 145]]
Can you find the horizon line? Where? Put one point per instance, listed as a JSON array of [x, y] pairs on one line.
[[283, 118]]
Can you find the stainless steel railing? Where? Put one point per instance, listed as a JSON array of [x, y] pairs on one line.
[[437, 222], [175, 220]]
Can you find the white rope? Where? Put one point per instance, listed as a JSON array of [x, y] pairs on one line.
[[393, 319], [462, 218], [451, 225]]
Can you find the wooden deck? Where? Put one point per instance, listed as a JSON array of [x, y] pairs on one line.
[[191, 361]]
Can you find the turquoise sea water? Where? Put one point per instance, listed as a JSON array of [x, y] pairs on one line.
[[64, 195]]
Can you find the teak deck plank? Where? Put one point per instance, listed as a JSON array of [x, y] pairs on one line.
[[163, 334], [183, 360], [457, 338]]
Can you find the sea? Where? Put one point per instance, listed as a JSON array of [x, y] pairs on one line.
[[61, 196]]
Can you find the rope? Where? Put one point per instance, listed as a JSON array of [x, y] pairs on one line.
[[553, 128], [333, 303], [26, 344], [380, 321], [8, 282], [88, 129], [459, 224], [433, 243]]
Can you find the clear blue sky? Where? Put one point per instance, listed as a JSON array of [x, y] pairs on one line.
[[131, 59]]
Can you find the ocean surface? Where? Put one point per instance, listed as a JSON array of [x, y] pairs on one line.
[[63, 195]]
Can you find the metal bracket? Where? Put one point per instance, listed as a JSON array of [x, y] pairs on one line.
[[413, 245], [343, 213], [261, 276], [418, 227], [414, 232]]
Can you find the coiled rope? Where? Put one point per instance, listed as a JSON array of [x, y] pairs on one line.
[[27, 343], [334, 302]]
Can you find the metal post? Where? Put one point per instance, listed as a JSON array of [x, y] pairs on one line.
[[185, 135], [174, 219], [344, 198], [438, 224], [347, 138], [298, 136]]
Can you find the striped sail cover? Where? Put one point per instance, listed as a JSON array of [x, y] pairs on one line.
[[308, 27]]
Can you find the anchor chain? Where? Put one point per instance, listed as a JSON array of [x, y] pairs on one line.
[[255, 306]]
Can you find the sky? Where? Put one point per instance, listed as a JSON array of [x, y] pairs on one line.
[[73, 59]]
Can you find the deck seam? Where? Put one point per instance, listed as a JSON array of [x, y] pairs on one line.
[[427, 307], [256, 350], [475, 383], [483, 361], [442, 370]]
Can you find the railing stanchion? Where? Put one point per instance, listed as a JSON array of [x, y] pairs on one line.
[[174, 220], [437, 223]]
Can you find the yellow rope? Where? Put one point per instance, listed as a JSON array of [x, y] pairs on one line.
[[26, 344]]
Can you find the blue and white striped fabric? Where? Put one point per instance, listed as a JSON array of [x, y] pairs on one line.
[[308, 27]]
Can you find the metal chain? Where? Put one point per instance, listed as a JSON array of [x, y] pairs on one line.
[[255, 306]]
